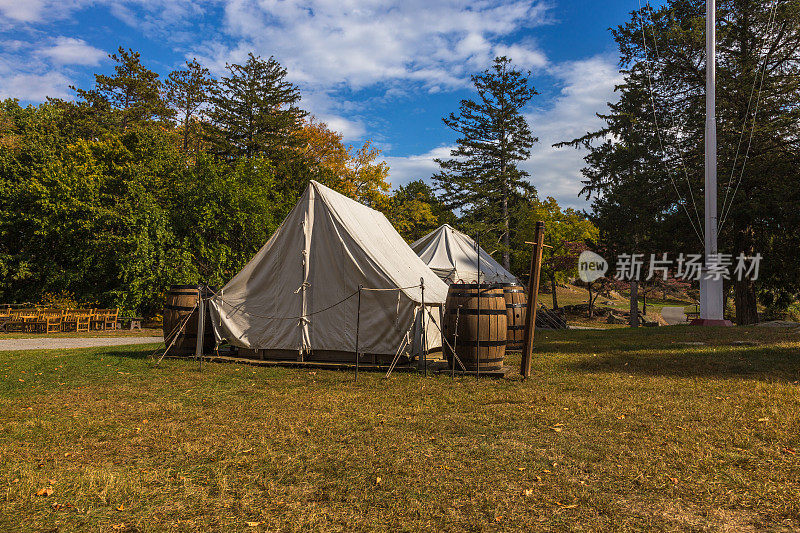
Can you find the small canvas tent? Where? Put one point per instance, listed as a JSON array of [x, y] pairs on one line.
[[453, 256], [298, 295]]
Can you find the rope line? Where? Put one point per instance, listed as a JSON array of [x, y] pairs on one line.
[[174, 334], [237, 308], [658, 131], [679, 131], [726, 212], [744, 120]]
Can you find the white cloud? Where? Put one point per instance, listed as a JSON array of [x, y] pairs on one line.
[[587, 85], [22, 11], [413, 167], [351, 130], [34, 87], [145, 14], [358, 43], [70, 51], [523, 56]]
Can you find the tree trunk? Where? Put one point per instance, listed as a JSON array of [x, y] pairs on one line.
[[506, 239], [591, 302], [744, 297], [744, 290], [555, 296], [186, 132], [634, 321], [644, 303]]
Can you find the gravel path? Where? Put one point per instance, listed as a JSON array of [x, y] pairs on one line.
[[68, 343]]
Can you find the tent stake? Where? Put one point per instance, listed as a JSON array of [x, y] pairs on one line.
[[201, 315], [424, 332], [455, 344], [358, 326]]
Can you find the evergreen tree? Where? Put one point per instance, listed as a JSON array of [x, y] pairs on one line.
[[254, 111], [187, 90], [132, 95], [494, 137], [758, 68]]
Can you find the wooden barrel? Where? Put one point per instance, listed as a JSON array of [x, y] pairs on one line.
[[181, 300], [480, 310], [516, 309]]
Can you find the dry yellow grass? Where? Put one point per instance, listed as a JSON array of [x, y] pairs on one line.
[[616, 430]]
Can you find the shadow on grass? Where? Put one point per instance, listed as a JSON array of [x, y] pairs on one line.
[[772, 363]]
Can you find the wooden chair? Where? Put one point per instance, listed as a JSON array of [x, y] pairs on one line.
[[48, 321], [111, 319], [16, 324], [98, 319], [76, 320]]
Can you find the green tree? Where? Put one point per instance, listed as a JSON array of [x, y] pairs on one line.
[[566, 233], [84, 216], [659, 196], [254, 111], [415, 211], [187, 90], [483, 173], [223, 215], [131, 96]]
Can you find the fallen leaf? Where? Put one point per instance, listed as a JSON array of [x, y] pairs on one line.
[[498, 518], [571, 506], [117, 527], [253, 524], [674, 480], [557, 429], [528, 493], [51, 481], [46, 491], [377, 481], [67, 454], [765, 419], [121, 507], [521, 468]]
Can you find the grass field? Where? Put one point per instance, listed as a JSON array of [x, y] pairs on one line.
[[616, 430]]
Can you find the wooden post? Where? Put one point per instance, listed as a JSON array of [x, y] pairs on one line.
[[358, 327], [533, 301], [478, 347], [201, 326]]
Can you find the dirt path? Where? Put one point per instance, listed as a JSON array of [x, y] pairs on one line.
[[65, 343]]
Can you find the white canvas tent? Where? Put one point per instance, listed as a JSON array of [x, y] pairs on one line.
[[453, 256], [292, 300]]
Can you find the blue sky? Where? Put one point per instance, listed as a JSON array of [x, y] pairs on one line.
[[380, 70]]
